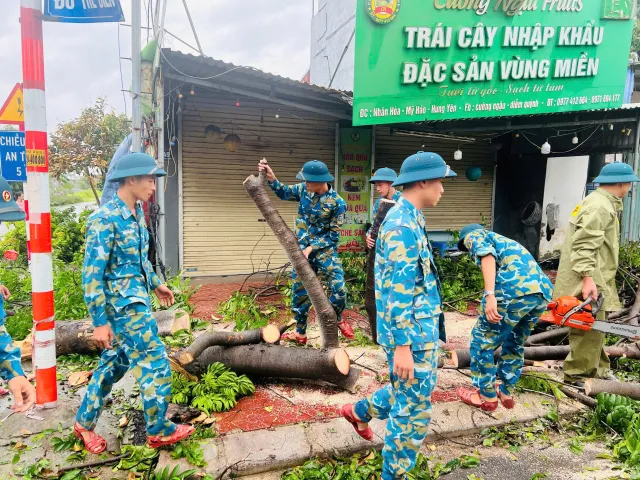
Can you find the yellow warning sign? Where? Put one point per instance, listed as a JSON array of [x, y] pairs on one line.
[[12, 112], [35, 158]]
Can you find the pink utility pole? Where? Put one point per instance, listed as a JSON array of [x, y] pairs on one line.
[[37, 203]]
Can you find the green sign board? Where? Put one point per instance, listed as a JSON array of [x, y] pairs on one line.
[[421, 60], [354, 171]]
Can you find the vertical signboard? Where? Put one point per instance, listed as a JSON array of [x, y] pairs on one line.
[[354, 171]]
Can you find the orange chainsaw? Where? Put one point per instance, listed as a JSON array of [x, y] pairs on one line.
[[575, 313]]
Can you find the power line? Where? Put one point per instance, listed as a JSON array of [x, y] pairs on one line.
[[124, 97]]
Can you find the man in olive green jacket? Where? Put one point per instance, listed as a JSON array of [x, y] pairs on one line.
[[588, 266]]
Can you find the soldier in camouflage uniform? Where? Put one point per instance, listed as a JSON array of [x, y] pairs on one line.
[[117, 278], [321, 213], [24, 395], [383, 180], [410, 319], [514, 298]]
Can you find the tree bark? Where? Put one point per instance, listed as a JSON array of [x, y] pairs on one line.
[[268, 334], [548, 336], [182, 413], [569, 392], [332, 366], [594, 386], [370, 291], [462, 358], [634, 313], [93, 187], [327, 318], [75, 336]]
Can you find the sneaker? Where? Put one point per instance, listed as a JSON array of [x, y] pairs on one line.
[[346, 330]]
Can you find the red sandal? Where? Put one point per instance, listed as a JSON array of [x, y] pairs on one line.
[[347, 413], [291, 337], [93, 442], [506, 402], [182, 432], [466, 395]]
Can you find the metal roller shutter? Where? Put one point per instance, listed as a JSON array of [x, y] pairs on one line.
[[224, 233], [463, 201]]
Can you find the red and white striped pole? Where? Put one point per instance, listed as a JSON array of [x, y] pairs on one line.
[[39, 215]]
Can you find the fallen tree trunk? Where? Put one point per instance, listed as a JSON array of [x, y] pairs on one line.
[[332, 366], [268, 334], [370, 290], [548, 336], [594, 386], [462, 358], [327, 318], [75, 336]]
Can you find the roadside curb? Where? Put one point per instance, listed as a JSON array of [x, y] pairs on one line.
[[248, 453]]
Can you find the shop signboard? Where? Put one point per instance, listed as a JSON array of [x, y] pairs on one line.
[[354, 171], [419, 60]]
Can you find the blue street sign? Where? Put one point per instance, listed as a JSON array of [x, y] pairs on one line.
[[13, 157], [83, 11]]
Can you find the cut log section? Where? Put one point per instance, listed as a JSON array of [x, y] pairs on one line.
[[326, 315], [462, 358], [594, 386], [268, 334], [75, 336], [275, 361], [550, 336], [370, 290]]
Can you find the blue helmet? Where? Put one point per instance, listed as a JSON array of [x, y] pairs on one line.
[[466, 230], [384, 175], [616, 173], [315, 171], [136, 164], [9, 209], [423, 166]]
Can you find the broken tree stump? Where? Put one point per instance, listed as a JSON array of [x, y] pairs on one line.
[[75, 336], [549, 336], [370, 290], [594, 386], [264, 360], [462, 358], [268, 334], [327, 317]]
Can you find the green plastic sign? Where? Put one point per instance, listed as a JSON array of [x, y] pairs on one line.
[[421, 60], [354, 171]]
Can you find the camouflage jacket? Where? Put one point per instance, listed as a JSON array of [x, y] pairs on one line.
[[319, 216], [396, 196], [408, 299], [517, 272], [117, 271], [9, 354]]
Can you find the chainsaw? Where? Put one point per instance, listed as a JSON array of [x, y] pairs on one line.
[[575, 313]]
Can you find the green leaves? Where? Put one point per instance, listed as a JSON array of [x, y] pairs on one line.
[[361, 467], [138, 459], [173, 474], [217, 391], [66, 443], [191, 451], [244, 311]]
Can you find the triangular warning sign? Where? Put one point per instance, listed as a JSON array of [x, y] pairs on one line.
[[12, 112]]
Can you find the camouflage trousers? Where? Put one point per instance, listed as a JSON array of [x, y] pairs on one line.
[[137, 347], [519, 317], [407, 406], [329, 267]]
